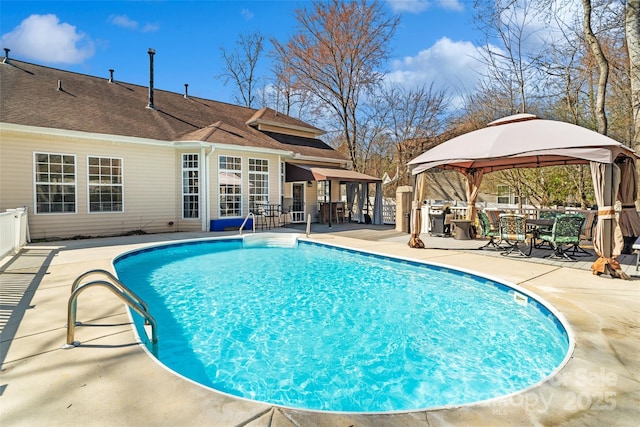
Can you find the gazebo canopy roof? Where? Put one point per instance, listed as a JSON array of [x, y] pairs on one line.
[[521, 141]]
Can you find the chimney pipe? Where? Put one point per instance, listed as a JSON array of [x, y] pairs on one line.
[[6, 56], [186, 90], [151, 53], [60, 85], [111, 75]]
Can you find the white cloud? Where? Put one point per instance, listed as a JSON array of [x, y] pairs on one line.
[[45, 38], [417, 6], [448, 65], [450, 4], [247, 14], [150, 28], [125, 22]]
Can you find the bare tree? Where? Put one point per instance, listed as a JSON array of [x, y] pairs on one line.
[[407, 121], [288, 96], [632, 30], [336, 55], [603, 67], [240, 66], [512, 49]]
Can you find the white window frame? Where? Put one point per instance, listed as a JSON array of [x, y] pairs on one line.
[[225, 197], [111, 184], [504, 191], [37, 182], [190, 183], [323, 192], [254, 174]]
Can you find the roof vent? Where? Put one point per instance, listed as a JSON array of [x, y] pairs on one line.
[[186, 90], [111, 75], [151, 53], [60, 86], [6, 56]]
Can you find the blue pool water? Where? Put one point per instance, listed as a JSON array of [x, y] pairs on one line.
[[324, 328]]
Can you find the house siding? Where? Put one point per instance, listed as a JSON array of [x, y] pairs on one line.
[[149, 173]]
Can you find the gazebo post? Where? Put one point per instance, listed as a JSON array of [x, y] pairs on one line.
[[607, 229]]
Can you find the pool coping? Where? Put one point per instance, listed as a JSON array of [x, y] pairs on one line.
[[111, 381]]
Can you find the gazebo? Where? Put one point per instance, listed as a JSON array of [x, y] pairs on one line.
[[526, 141]]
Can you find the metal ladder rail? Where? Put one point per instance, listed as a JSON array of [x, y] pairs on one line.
[[115, 281], [253, 223], [72, 309]]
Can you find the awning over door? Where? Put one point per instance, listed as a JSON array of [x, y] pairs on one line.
[[296, 172]]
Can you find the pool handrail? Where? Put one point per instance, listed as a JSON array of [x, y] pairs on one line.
[[253, 223], [116, 282], [121, 291]]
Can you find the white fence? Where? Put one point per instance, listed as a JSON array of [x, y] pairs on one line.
[[14, 231], [389, 211]]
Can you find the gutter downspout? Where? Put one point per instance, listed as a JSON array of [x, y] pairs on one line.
[[280, 179]]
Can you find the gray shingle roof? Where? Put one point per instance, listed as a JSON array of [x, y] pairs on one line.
[[29, 95]]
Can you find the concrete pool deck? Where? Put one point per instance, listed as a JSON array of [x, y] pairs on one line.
[[110, 381]]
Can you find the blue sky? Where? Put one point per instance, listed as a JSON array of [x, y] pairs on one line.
[[435, 42]]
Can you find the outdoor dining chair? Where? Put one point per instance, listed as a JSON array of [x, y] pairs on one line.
[[488, 231], [565, 231], [586, 233], [513, 230]]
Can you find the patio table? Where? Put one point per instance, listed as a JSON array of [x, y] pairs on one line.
[[535, 226], [271, 213]]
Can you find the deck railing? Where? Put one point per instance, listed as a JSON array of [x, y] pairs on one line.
[[14, 230]]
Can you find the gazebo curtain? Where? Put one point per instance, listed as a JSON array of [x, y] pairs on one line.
[[352, 189], [474, 179], [378, 218], [629, 219], [362, 195], [416, 214], [606, 181]]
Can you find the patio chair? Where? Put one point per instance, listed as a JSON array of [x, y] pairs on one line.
[[549, 213], [586, 233], [565, 231], [285, 211], [513, 230], [488, 231], [494, 217]]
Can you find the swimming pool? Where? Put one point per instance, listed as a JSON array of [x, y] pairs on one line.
[[325, 328]]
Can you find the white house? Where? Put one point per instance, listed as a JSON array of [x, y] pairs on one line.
[[93, 156]]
